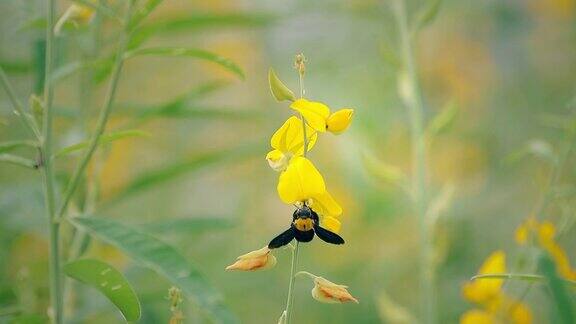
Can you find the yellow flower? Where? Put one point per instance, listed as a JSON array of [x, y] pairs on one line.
[[544, 233], [328, 292], [339, 121], [302, 183], [256, 260], [495, 305], [318, 116], [75, 14], [288, 141], [484, 290]]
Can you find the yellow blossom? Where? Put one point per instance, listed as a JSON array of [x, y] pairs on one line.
[[318, 116], [256, 260], [288, 141], [328, 292], [482, 291]]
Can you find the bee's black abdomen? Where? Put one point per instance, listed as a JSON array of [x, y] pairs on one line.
[[301, 236], [328, 236], [282, 239]]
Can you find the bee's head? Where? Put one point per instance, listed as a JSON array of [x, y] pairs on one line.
[[303, 212]]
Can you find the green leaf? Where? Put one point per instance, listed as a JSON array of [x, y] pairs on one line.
[[195, 22], [104, 139], [280, 91], [109, 282], [12, 145], [560, 293], [444, 120], [519, 276], [18, 160], [187, 225], [152, 178], [428, 14], [188, 52], [162, 258], [144, 11]]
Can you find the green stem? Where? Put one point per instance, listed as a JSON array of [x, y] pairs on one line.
[[48, 172], [18, 160], [28, 121], [415, 111], [104, 113], [290, 298]]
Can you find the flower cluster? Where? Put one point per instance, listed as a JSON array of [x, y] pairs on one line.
[[300, 184], [494, 305]]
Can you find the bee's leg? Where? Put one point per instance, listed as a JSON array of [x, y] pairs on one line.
[[282, 239], [327, 236], [303, 236]]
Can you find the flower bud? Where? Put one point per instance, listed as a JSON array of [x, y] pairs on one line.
[[339, 121], [328, 292], [256, 260], [277, 160]]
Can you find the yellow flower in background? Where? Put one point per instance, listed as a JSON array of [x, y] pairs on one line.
[[75, 14], [482, 291], [495, 306], [318, 116], [256, 260], [288, 141], [326, 291], [544, 235]]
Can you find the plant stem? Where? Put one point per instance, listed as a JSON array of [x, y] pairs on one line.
[[28, 121], [104, 113], [415, 111], [48, 172], [290, 298]]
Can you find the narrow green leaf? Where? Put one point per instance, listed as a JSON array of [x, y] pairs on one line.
[[109, 282], [195, 22], [188, 52], [12, 145], [153, 178], [428, 13], [444, 120], [162, 258], [144, 11], [561, 295], [280, 91], [188, 225], [18, 160], [104, 139], [518, 276]]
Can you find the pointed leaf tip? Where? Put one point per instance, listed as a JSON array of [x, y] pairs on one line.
[[280, 91]]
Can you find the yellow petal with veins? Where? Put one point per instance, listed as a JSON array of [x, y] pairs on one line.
[[290, 137], [325, 205], [315, 113], [300, 182]]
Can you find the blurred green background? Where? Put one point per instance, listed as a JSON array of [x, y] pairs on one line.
[[507, 68]]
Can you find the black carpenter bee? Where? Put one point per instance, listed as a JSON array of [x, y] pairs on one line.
[[305, 223]]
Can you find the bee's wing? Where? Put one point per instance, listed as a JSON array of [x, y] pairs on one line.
[[282, 239], [327, 236]]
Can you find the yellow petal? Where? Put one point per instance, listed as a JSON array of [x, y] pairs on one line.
[[315, 113], [520, 313], [300, 182], [476, 316], [339, 121], [325, 205], [330, 223], [290, 137], [483, 290]]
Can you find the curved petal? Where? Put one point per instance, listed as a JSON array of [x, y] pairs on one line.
[[339, 121], [315, 113], [300, 182], [325, 205], [290, 138], [330, 223]]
